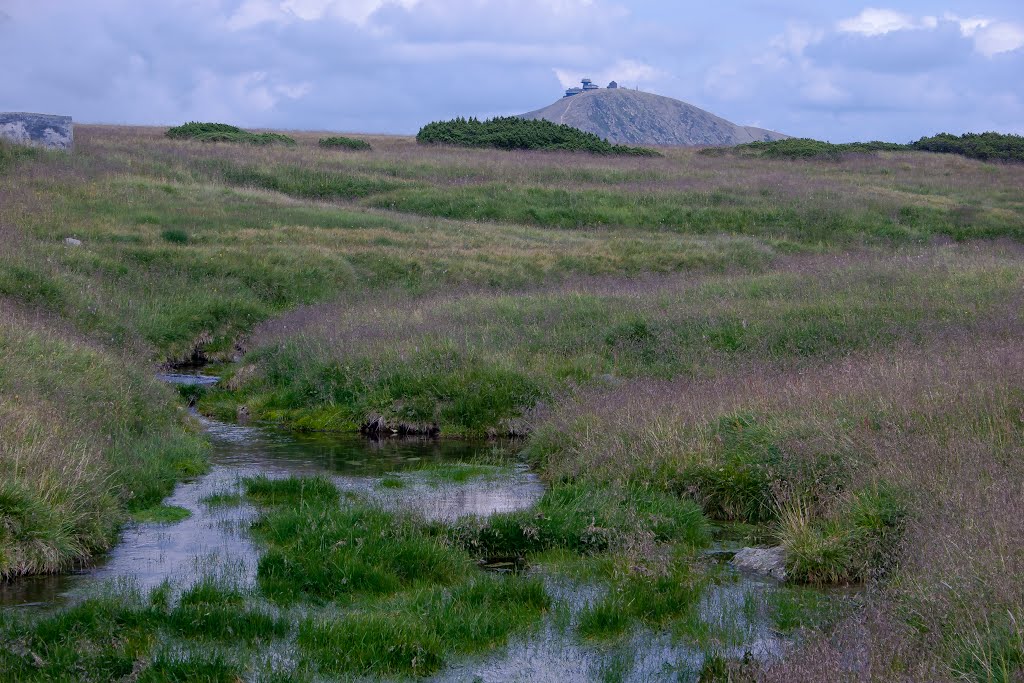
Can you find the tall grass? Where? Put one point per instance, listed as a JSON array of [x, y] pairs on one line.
[[86, 437], [476, 362]]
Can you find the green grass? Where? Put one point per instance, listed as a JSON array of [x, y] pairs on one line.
[[414, 635], [318, 550], [73, 471], [11, 154], [845, 546], [161, 514], [793, 608], [223, 500], [474, 362], [291, 491], [460, 472], [120, 634], [586, 519], [652, 601]]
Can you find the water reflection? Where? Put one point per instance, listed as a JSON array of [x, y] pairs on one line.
[[150, 553]]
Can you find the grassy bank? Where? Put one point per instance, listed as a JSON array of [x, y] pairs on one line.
[[85, 438], [477, 362]]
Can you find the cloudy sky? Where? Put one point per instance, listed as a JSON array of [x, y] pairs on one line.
[[839, 70]]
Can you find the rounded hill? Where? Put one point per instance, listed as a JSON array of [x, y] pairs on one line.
[[639, 118]]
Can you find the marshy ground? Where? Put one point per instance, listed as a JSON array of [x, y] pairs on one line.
[[691, 354]]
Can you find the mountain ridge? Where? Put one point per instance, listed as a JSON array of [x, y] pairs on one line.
[[639, 118]]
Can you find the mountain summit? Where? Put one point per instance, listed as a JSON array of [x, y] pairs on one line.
[[640, 118]]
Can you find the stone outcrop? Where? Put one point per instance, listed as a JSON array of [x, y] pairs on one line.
[[41, 130], [768, 561]]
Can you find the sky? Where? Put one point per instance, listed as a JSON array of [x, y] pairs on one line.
[[839, 70]]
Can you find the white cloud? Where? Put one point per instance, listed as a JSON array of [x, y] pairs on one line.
[[877, 22], [996, 38], [968, 26], [252, 13], [991, 37]]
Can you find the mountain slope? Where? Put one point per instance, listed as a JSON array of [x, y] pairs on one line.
[[640, 118]]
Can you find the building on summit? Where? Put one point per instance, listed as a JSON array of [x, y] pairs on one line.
[[587, 85]]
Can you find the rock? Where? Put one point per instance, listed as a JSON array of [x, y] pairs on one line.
[[72, 242], [768, 561], [40, 130], [242, 414]]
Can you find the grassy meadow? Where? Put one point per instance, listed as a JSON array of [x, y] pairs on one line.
[[820, 354]]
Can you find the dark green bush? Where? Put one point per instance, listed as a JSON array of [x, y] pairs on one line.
[[344, 143], [985, 146], [805, 148], [223, 132], [511, 132]]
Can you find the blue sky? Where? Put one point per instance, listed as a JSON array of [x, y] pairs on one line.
[[838, 71]]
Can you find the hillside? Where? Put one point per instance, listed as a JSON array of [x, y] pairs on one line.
[[641, 118]]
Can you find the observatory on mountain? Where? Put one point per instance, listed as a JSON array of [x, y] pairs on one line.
[[587, 85]]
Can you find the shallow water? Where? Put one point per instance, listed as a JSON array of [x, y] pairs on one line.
[[149, 553], [216, 538], [555, 654]]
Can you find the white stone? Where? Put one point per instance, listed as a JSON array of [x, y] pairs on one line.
[[71, 241]]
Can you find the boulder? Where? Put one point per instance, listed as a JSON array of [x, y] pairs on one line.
[[72, 242], [40, 130], [768, 561]]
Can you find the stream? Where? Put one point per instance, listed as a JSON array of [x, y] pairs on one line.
[[150, 553]]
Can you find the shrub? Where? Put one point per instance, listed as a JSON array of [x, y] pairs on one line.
[[342, 142], [985, 146], [511, 132], [806, 148], [222, 132]]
